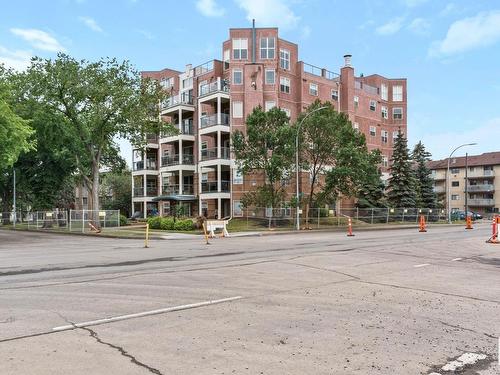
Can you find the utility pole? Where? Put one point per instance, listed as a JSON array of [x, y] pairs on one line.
[[466, 188]]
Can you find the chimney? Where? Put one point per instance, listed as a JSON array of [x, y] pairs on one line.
[[253, 41], [347, 60]]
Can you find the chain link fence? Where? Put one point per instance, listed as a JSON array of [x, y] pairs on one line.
[[61, 220], [323, 218]]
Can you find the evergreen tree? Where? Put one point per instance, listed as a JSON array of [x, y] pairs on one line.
[[424, 183], [401, 188], [372, 194]]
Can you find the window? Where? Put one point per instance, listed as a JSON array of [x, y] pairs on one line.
[[385, 161], [335, 95], [226, 58], [455, 197], [204, 177], [455, 170], [385, 112], [268, 105], [237, 208], [355, 126], [313, 89], [385, 136], [237, 77], [373, 131], [397, 93], [267, 48], [397, 113], [455, 183], [394, 135], [240, 49], [356, 101], [167, 83], [237, 109], [287, 111], [270, 77], [285, 85], [204, 145], [187, 83], [373, 105], [285, 59], [384, 92], [237, 177]]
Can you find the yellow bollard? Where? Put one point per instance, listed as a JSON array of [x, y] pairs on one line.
[[205, 231], [147, 236]]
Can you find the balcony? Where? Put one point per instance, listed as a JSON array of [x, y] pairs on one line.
[[439, 189], [211, 153], [151, 191], [150, 165], [486, 188], [167, 161], [151, 138], [481, 202], [218, 86], [211, 187], [178, 99], [481, 173], [187, 189], [211, 120]]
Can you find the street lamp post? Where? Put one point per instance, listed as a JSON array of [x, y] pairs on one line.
[[297, 164], [448, 188]]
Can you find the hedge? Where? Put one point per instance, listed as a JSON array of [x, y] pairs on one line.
[[167, 223]]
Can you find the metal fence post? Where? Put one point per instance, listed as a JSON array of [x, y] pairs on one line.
[[403, 219], [387, 221], [357, 213], [318, 216], [83, 221], [372, 215]]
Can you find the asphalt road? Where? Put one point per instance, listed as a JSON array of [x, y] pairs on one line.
[[382, 302]]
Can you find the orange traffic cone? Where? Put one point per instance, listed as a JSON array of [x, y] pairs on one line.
[[494, 236], [349, 228], [421, 226], [468, 222]]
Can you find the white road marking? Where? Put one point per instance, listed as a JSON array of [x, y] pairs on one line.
[[144, 313], [464, 359], [421, 265], [454, 260]]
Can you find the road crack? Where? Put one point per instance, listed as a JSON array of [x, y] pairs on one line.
[[122, 351]]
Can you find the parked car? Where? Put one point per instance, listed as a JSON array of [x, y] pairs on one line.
[[460, 215]]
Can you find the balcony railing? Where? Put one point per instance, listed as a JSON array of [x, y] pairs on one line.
[[211, 153], [174, 100], [211, 120], [151, 191], [487, 188], [150, 165], [481, 173], [217, 86], [186, 127], [151, 138], [167, 161], [187, 189], [204, 68], [439, 189], [481, 202], [212, 187]]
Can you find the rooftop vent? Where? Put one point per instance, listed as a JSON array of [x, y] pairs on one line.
[[347, 60]]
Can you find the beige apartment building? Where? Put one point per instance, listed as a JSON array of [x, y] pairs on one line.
[[480, 179], [196, 168]]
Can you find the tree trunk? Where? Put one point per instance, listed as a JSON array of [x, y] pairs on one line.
[[95, 193]]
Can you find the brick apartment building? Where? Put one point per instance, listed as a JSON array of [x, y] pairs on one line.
[[483, 189], [208, 102]]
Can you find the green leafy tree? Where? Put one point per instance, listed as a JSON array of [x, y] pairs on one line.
[[267, 148], [330, 146], [401, 187], [116, 191], [426, 197], [99, 102]]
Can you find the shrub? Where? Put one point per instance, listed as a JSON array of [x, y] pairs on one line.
[[123, 220], [155, 222], [184, 225], [167, 223]]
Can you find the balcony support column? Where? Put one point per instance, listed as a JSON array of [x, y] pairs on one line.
[[219, 182], [180, 152], [219, 208], [181, 182], [180, 120], [145, 194], [219, 111], [218, 144]]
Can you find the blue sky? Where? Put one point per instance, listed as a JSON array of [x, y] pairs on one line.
[[448, 50]]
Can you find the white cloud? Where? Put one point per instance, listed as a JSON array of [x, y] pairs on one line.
[[469, 33], [146, 34], [18, 60], [270, 13], [486, 136], [420, 26], [391, 27], [209, 8], [39, 39], [91, 24], [448, 9]]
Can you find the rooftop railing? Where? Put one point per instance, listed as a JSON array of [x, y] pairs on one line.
[[204, 68]]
